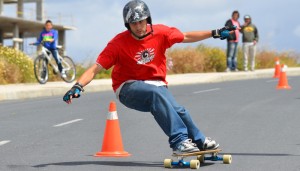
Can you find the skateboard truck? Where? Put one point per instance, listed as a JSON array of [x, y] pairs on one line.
[[195, 164]]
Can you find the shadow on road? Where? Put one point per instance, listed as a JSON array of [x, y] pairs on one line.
[[112, 163], [262, 154], [149, 164], [105, 163]]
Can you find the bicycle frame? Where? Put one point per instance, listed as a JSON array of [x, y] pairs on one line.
[[48, 56], [45, 57]]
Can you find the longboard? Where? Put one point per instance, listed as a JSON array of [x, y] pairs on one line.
[[201, 158]]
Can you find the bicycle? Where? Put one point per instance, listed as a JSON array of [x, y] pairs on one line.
[[44, 58]]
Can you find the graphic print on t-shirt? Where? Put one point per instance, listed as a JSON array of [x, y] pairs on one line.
[[145, 56], [249, 29], [47, 37]]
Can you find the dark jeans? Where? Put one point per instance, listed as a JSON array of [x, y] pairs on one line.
[[231, 55], [57, 60], [173, 118]]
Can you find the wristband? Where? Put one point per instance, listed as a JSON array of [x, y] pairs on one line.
[[79, 86]]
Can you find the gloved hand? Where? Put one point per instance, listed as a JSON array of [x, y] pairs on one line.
[[74, 92], [222, 33]]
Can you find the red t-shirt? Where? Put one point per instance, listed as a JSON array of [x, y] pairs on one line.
[[139, 59]]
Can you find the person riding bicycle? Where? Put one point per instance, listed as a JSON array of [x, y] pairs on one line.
[[139, 74], [49, 37]]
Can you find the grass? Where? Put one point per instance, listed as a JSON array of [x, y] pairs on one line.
[[16, 67]]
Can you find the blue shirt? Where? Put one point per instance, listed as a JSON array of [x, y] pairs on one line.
[[46, 36]]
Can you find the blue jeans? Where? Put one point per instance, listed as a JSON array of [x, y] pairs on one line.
[[55, 56], [173, 119], [231, 55]]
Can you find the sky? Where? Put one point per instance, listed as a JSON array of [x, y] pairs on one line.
[[98, 21]]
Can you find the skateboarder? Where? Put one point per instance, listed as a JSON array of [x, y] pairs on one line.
[[139, 74]]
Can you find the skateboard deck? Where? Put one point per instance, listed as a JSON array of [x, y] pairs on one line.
[[197, 153], [201, 158]]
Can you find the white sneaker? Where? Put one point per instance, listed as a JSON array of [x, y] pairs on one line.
[[63, 74], [187, 146], [227, 70], [209, 144]]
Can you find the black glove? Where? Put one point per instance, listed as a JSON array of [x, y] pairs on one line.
[[222, 33], [73, 93]]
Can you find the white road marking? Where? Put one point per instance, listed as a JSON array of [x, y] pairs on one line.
[[203, 91], [4, 142], [66, 123]]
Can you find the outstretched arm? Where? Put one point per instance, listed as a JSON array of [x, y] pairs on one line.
[[195, 36], [38, 41], [84, 79]]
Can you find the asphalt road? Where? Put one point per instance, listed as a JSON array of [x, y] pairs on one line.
[[251, 120]]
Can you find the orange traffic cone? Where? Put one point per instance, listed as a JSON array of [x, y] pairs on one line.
[[283, 82], [112, 141], [277, 68]]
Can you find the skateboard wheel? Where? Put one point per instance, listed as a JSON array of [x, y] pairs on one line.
[[194, 164], [227, 159], [201, 158], [168, 163]]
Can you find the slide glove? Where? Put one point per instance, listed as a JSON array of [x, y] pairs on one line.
[[222, 33], [75, 90]]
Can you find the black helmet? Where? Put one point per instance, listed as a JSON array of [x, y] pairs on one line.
[[134, 11]]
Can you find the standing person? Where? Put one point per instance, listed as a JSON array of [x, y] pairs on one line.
[[250, 39], [232, 42], [139, 75], [49, 37]]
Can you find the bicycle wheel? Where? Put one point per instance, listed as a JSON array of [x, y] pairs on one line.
[[41, 69], [69, 68]]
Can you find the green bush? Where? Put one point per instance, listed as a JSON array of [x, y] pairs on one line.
[[186, 60], [197, 59], [204, 58], [102, 74], [215, 58], [266, 59], [15, 66]]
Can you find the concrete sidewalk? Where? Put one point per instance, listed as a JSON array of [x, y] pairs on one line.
[[32, 90]]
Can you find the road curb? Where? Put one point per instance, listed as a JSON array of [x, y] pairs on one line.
[[33, 90]]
